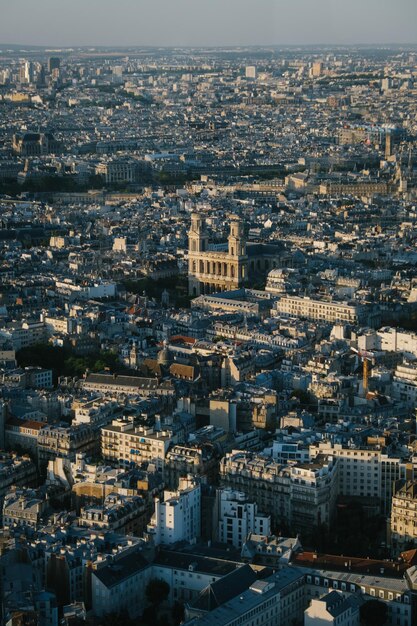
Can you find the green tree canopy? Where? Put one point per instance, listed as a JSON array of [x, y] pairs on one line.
[[157, 591], [374, 613]]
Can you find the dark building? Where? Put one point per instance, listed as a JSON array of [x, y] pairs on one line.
[[35, 144], [54, 63]]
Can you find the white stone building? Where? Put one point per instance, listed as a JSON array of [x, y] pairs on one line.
[[178, 517], [238, 518]]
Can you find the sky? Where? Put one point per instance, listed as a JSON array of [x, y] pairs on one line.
[[206, 22]]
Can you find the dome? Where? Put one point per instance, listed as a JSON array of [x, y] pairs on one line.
[[164, 356], [298, 257], [276, 273]]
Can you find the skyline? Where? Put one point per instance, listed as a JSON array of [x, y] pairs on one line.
[[194, 23]]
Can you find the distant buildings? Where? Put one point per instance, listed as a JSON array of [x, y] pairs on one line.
[[230, 358]]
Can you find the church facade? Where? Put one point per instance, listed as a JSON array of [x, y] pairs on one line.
[[221, 267], [218, 267]]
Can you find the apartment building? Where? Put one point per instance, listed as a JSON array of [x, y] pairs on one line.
[[123, 442], [66, 441], [122, 514], [366, 472], [24, 334], [332, 311], [394, 592], [334, 609], [299, 495], [313, 492], [15, 470], [404, 383], [23, 434], [238, 518], [263, 481], [198, 460], [127, 385], [277, 600], [121, 583], [178, 517], [23, 508], [404, 514], [397, 340]]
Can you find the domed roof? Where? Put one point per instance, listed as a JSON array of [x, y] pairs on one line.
[[164, 356], [298, 257], [276, 273]]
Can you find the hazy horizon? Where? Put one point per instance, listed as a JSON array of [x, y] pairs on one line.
[[199, 23]]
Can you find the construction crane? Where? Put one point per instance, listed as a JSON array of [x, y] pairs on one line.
[[366, 358]]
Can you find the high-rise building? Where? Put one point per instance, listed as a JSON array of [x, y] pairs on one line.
[[25, 73], [388, 144], [317, 69], [250, 71], [54, 63]]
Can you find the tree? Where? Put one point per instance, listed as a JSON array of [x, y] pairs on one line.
[[178, 613], [373, 613], [304, 397], [157, 591]]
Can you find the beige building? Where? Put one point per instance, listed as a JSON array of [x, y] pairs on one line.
[[115, 384], [123, 442], [300, 495], [23, 508], [320, 309], [404, 513], [366, 472], [358, 188]]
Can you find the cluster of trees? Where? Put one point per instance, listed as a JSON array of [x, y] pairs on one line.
[[50, 182], [64, 361], [355, 533], [373, 613], [156, 592], [177, 287]]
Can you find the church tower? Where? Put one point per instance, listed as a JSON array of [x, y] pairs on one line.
[[215, 269], [236, 239], [197, 235], [197, 246]]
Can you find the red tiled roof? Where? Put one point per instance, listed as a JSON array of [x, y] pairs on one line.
[[352, 564], [15, 421], [182, 339]]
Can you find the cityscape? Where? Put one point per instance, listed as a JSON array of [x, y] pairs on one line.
[[208, 335]]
